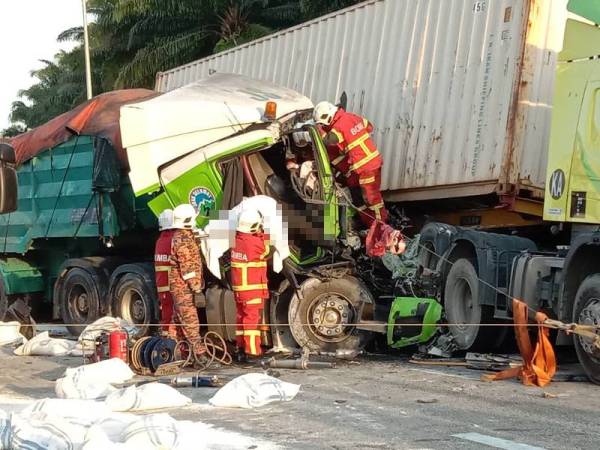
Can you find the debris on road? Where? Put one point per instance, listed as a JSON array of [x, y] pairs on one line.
[[254, 390], [427, 400]]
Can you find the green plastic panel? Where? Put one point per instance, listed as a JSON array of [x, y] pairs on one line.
[[20, 276], [409, 311], [589, 9]]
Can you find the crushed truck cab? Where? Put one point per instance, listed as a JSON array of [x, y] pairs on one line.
[[210, 144]]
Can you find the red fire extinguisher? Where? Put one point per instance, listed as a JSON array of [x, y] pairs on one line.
[[118, 344]]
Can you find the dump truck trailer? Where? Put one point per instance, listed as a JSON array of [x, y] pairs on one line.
[[78, 237], [486, 113]]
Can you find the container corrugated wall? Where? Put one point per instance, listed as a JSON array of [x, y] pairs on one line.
[[441, 81]]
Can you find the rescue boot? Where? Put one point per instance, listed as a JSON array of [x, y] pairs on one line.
[[240, 356]]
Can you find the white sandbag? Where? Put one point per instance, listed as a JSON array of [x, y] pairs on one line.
[[5, 431], [89, 410], [77, 388], [155, 431], [50, 433], [87, 338], [146, 397], [44, 345], [93, 381], [9, 334], [254, 390], [215, 438], [110, 428]]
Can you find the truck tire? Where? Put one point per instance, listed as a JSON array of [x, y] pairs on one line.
[[321, 318], [586, 311], [463, 311], [134, 300], [79, 299]]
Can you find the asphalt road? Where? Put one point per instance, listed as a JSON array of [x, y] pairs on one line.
[[375, 402]]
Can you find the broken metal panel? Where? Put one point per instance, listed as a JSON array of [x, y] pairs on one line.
[[441, 81]]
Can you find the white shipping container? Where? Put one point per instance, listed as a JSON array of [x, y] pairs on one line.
[[459, 90]]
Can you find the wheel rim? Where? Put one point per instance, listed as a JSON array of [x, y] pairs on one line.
[[78, 298], [330, 316], [133, 306], [590, 315]]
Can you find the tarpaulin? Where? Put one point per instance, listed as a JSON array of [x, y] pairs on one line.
[[96, 117]]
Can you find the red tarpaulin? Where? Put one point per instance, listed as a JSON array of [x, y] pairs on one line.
[[96, 117]]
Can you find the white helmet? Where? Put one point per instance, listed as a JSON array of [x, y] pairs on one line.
[[184, 217], [324, 112], [165, 220], [250, 221]]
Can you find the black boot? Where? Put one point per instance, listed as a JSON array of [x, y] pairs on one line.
[[240, 356]]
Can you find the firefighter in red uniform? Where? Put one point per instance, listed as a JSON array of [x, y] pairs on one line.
[[249, 281], [351, 133], [162, 267]]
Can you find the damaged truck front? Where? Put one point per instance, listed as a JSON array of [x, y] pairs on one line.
[[214, 142]]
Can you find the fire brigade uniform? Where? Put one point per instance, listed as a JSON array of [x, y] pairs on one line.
[[249, 283], [162, 267], [352, 134], [185, 279]]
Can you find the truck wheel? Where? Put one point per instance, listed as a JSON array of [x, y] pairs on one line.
[[463, 311], [134, 301], [80, 300], [586, 311], [322, 319]]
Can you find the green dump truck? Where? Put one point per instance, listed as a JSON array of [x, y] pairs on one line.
[[78, 238]]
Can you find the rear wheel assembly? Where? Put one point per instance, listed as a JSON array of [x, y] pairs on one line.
[[587, 312], [134, 301], [464, 313], [322, 315], [79, 300]]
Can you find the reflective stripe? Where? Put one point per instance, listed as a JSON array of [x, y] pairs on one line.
[[362, 208], [378, 206], [242, 265], [365, 160], [249, 287], [163, 289], [254, 301], [251, 332], [338, 135], [365, 122], [366, 180], [338, 160], [162, 269], [358, 142], [188, 276], [239, 332]]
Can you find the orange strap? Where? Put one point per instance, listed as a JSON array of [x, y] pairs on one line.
[[539, 364]]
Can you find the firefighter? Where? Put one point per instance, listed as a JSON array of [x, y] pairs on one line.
[[185, 276], [249, 281], [162, 267], [351, 133]]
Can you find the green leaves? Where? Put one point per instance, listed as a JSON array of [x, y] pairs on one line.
[[132, 40]]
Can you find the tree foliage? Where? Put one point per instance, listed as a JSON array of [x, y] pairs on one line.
[[132, 40]]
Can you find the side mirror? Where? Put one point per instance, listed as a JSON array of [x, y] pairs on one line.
[[343, 100], [8, 179]]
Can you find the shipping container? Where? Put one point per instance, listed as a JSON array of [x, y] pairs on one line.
[[460, 91]]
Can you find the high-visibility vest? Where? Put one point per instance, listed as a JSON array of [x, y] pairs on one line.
[[353, 136], [249, 266], [162, 260]]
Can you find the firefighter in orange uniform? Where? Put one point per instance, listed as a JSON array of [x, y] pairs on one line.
[[249, 281], [162, 267], [185, 276], [351, 133]]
